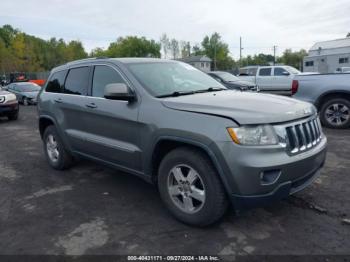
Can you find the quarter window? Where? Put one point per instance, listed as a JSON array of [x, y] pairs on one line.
[[55, 85], [104, 75], [77, 81], [265, 72]]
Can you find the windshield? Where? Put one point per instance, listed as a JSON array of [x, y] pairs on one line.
[[293, 70], [227, 76], [28, 88], [166, 78]]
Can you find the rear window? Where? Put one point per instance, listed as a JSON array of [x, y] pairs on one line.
[[55, 85], [265, 72], [77, 81]]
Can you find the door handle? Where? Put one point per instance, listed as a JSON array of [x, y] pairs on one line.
[[58, 100], [91, 105]]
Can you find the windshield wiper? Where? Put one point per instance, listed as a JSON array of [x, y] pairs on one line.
[[210, 89], [177, 93], [183, 93]]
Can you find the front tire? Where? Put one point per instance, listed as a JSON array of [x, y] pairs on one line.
[[25, 101], [57, 156], [335, 113], [190, 187], [12, 116]]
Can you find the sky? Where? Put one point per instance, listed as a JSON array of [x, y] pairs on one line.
[[262, 24]]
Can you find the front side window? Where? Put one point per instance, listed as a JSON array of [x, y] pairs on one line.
[[265, 72], [104, 75], [77, 81], [279, 71], [55, 85], [164, 78]]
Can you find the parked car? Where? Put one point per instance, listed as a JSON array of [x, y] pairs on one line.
[[271, 79], [330, 93], [176, 127], [341, 70], [25, 92], [233, 82], [8, 105]]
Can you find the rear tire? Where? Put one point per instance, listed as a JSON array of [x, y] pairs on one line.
[[199, 203], [335, 113], [57, 156]]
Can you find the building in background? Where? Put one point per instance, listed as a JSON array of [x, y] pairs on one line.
[[200, 62], [328, 56]]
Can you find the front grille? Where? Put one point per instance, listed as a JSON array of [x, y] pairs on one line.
[[304, 135]]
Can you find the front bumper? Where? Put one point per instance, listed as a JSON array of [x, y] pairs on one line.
[[246, 167], [6, 109]]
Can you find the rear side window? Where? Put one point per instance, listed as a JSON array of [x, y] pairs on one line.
[[279, 71], [55, 85], [77, 81], [104, 75], [265, 72]]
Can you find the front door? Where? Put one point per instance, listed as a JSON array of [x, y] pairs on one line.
[[282, 79], [112, 127], [264, 79]]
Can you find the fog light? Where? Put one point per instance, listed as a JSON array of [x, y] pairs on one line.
[[269, 177]]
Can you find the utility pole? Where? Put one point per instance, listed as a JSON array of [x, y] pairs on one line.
[[274, 55], [240, 50], [215, 57]]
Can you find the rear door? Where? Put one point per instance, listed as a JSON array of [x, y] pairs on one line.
[[264, 78], [71, 106], [282, 79], [112, 129]]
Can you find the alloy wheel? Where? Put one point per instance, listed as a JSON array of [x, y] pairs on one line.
[[186, 189], [52, 148], [337, 114]]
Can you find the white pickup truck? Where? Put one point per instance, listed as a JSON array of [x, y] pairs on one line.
[[271, 79]]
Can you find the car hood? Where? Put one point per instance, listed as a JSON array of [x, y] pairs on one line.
[[241, 83], [30, 94], [3, 93], [243, 107]]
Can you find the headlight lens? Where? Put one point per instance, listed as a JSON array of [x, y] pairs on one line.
[[253, 135], [10, 98], [2, 99]]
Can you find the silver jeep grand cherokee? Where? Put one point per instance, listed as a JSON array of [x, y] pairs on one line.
[[203, 145]]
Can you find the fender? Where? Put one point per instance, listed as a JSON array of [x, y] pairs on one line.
[[330, 92], [205, 148]]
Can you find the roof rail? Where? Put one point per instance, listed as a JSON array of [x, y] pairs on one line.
[[86, 60]]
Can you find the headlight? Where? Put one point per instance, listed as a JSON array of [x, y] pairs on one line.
[[10, 98], [2, 99], [253, 135]]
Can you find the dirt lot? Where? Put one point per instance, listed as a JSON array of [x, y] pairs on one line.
[[91, 209]]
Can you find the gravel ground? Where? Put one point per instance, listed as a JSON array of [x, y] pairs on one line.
[[91, 209]]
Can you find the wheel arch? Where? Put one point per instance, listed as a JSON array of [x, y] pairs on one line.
[[44, 122], [166, 144], [331, 94]]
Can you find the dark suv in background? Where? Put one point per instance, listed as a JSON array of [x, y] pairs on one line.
[[175, 126]]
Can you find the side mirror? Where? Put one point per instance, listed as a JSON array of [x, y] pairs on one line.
[[119, 91], [285, 73]]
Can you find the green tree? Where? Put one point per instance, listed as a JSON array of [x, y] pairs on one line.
[[348, 35], [133, 46], [165, 44], [218, 51], [291, 58]]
